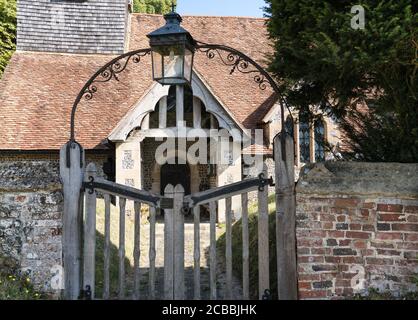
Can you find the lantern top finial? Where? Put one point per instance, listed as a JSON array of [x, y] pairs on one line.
[[171, 28]]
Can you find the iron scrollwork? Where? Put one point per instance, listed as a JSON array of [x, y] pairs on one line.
[[237, 63], [112, 71], [108, 72]]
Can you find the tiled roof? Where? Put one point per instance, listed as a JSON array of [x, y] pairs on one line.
[[38, 89]]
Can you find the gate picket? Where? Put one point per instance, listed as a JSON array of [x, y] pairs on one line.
[[245, 248], [263, 243], [212, 262], [179, 292], [106, 280], [90, 234], [137, 250], [228, 253], [122, 206], [168, 246], [152, 253], [196, 213]]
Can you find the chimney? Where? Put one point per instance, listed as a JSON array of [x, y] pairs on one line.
[[72, 26]]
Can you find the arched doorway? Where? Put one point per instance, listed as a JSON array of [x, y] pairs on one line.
[[175, 174]]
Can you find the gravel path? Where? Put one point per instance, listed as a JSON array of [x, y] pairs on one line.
[[189, 263]]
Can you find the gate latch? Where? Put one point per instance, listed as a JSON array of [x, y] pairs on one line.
[[264, 182], [166, 203]]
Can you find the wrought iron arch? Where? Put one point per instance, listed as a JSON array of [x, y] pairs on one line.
[[234, 58]]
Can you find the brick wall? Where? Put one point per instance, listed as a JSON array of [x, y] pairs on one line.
[[357, 228]]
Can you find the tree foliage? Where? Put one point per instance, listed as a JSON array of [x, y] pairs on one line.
[[153, 6], [7, 31], [322, 61]]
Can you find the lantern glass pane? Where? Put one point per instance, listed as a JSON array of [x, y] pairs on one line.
[[173, 66], [188, 65], [157, 60]]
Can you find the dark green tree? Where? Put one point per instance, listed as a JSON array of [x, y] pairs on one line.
[[7, 31], [153, 6], [321, 60]]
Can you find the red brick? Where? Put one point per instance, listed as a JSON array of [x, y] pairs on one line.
[[364, 213], [391, 217], [305, 285], [369, 205], [357, 235], [389, 207], [345, 242], [342, 283], [309, 277], [379, 261], [352, 260], [360, 244], [346, 203], [20, 198], [335, 234], [389, 236], [321, 250], [313, 294], [368, 227], [411, 209], [355, 226], [332, 259], [327, 225], [412, 218], [327, 217], [344, 291], [411, 237], [341, 218], [383, 245], [386, 252], [311, 259], [303, 251], [310, 242], [407, 246], [367, 252], [306, 233], [405, 227], [411, 255]]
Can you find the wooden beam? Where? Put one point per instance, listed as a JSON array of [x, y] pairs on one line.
[[197, 113], [72, 179], [163, 113], [179, 106], [285, 219]]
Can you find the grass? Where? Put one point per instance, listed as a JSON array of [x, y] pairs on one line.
[[114, 249], [17, 287], [253, 248]]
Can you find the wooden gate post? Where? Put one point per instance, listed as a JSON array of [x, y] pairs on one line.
[[169, 247], [285, 218], [72, 178], [179, 292]]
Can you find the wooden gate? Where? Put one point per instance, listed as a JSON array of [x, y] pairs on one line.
[[79, 235]]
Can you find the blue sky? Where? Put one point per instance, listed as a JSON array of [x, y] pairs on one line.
[[247, 8]]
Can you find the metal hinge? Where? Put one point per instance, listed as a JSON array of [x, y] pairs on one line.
[[267, 295], [85, 294]]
